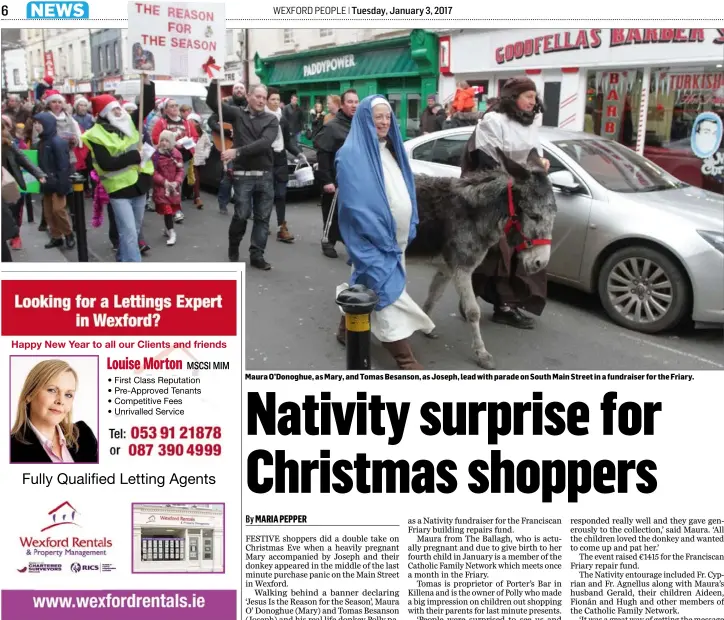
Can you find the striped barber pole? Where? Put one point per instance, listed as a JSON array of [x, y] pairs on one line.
[[643, 111]]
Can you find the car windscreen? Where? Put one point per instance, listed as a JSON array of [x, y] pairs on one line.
[[617, 167]]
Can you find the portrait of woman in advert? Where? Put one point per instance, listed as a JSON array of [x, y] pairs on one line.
[[43, 430]]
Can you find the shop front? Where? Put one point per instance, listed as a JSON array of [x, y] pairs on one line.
[[647, 88], [405, 70], [178, 538]]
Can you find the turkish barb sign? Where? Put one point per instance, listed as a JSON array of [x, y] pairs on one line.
[[175, 39]]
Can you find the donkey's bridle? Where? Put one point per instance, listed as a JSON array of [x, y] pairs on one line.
[[513, 223]]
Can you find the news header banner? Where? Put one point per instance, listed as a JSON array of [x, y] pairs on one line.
[[455, 13], [124, 430]]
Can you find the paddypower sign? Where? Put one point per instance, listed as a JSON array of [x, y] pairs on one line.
[[57, 10], [329, 64]]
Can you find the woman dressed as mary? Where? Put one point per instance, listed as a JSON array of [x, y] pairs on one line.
[[378, 219]]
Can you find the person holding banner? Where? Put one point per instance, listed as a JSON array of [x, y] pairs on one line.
[[254, 133], [125, 173], [238, 99], [14, 161]]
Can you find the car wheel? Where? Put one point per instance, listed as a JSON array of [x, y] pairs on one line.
[[643, 289]]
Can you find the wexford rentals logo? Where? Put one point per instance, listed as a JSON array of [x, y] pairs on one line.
[[62, 515], [57, 10], [63, 542]]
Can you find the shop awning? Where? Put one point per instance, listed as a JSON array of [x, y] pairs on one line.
[[390, 62]]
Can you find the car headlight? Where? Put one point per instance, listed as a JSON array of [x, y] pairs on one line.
[[715, 238]]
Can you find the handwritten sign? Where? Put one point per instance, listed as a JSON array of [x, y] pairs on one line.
[[175, 39]]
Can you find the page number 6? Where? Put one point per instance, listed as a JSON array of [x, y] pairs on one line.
[[5, 10]]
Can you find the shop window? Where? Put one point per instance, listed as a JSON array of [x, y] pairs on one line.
[[676, 99], [325, 32], [193, 548], [162, 549], [613, 104], [481, 93], [288, 35], [413, 114], [551, 102], [208, 545]]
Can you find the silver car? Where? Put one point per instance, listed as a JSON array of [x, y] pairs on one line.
[[650, 246]]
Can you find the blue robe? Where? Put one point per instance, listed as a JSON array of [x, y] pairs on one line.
[[365, 221]]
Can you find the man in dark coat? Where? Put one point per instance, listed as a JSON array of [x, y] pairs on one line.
[[253, 163], [327, 142], [500, 279], [54, 161], [295, 117], [428, 118]]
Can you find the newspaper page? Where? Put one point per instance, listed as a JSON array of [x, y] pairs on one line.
[[362, 311]]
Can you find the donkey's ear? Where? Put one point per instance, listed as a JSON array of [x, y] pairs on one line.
[[534, 161], [512, 168]]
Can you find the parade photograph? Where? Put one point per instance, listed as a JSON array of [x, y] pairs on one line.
[[420, 199]]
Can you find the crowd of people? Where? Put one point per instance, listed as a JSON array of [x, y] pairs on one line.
[[124, 171], [368, 198]]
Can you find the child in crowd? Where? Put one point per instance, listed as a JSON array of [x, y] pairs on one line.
[[464, 98], [201, 154], [167, 179]]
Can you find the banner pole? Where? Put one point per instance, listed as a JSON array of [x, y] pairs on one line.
[[140, 111], [221, 118]]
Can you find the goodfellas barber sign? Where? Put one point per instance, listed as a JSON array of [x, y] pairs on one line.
[[569, 40]]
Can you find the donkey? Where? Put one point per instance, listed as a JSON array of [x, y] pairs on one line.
[[461, 219]]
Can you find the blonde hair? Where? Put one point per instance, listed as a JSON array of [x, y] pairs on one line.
[[41, 375]]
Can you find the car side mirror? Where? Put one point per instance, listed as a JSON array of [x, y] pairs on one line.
[[564, 181]]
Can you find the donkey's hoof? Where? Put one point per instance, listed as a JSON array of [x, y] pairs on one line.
[[433, 335], [485, 360]]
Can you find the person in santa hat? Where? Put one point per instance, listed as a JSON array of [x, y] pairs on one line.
[[67, 126], [44, 84], [82, 116], [129, 106], [125, 176]]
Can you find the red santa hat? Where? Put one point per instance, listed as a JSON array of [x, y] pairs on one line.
[[103, 104], [129, 106], [48, 79], [52, 95], [161, 102]]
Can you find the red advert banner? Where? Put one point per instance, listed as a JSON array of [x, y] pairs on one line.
[[119, 308]]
